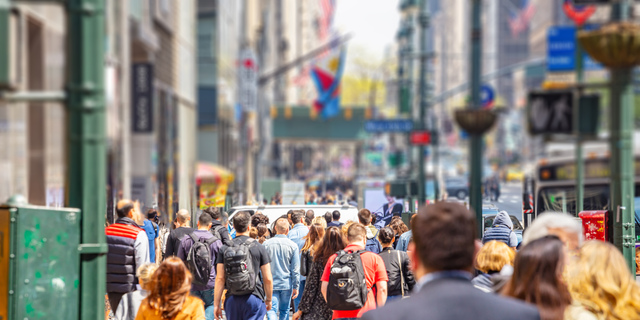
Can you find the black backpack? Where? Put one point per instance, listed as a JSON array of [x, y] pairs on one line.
[[215, 231], [240, 276], [199, 260], [347, 285]]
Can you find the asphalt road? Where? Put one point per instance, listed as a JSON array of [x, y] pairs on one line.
[[510, 199]]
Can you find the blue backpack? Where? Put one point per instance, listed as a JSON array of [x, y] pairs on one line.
[[373, 245]]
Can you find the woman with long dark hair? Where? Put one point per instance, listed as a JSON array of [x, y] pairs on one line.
[[312, 239], [537, 278], [397, 263], [313, 306], [169, 297]]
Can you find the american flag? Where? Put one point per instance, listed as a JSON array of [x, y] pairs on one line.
[[328, 9], [519, 20]]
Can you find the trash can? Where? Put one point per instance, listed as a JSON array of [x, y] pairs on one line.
[[594, 224]]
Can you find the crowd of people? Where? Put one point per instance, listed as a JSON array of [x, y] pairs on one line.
[[307, 267]]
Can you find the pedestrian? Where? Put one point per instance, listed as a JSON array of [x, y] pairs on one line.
[[601, 285], [316, 232], [442, 253], [299, 230], [349, 277], [501, 230], [399, 228], [392, 207], [397, 264], [313, 306], [537, 278], [562, 225], [169, 295], [150, 226], [176, 235], [259, 218], [308, 217], [492, 257], [335, 219], [128, 249], [289, 213], [217, 228], [403, 241], [285, 255], [130, 302], [244, 270], [372, 243], [327, 217], [164, 235], [199, 250], [345, 228]]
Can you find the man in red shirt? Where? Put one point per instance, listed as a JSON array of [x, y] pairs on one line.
[[374, 272]]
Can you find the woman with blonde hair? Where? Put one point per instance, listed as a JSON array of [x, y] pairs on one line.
[[169, 297], [600, 283], [130, 303], [493, 256]]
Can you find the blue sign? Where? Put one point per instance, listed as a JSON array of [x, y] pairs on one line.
[[398, 125], [561, 50], [487, 96]]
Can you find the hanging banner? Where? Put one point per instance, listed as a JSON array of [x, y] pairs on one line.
[[213, 195]]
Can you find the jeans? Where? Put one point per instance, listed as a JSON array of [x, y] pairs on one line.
[[246, 307], [296, 301], [392, 298], [207, 297], [280, 304]]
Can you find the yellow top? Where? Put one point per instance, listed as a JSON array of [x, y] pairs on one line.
[[192, 309]]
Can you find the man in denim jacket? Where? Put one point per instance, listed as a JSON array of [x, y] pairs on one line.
[[285, 268]]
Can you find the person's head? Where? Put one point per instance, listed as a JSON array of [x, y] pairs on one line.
[[601, 280], [262, 231], [364, 215], [537, 277], [183, 217], [152, 215], [253, 232], [125, 209], [493, 256], [398, 227], [224, 218], [335, 215], [213, 212], [316, 232], [390, 199], [562, 225], [297, 217], [204, 221], [308, 217], [289, 213], [413, 219], [282, 227], [386, 237], [327, 217], [176, 224], [321, 221], [169, 288], [145, 274], [331, 242], [241, 221], [357, 234], [345, 227], [443, 238], [259, 218]]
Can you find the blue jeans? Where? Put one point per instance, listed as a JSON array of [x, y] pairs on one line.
[[246, 307], [280, 305], [296, 301], [392, 298], [207, 297]]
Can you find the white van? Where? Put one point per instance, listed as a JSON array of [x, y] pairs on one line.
[[274, 212]]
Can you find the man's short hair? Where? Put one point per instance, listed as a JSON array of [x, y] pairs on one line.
[[356, 232], [364, 215], [152, 213], [183, 216], [308, 217], [282, 226], [335, 215], [327, 217], [540, 226], [213, 212], [123, 208], [205, 219], [224, 217], [296, 216], [444, 235], [241, 221]]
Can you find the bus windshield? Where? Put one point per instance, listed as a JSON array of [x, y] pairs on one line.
[[563, 199]]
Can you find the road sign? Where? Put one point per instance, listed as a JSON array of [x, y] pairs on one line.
[[420, 138], [550, 112], [487, 96], [561, 50], [396, 125], [248, 80]]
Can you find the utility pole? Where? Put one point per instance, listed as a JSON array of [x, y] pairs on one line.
[[576, 128], [475, 159], [622, 170], [422, 125]]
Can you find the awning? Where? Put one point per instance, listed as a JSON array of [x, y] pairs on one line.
[[213, 174]]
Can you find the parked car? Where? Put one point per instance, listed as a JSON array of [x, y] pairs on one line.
[[489, 209], [457, 187], [517, 226]]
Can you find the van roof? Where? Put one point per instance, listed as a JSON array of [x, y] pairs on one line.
[[295, 206]]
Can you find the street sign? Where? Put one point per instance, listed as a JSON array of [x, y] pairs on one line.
[[550, 112], [396, 125], [248, 78], [420, 138], [487, 96], [561, 50], [142, 97]]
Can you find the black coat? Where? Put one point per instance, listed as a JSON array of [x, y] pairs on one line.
[[396, 210], [448, 299], [393, 266]]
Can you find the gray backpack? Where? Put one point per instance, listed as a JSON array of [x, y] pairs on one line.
[[199, 260], [240, 276]]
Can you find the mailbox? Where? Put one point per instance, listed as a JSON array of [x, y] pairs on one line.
[[594, 225]]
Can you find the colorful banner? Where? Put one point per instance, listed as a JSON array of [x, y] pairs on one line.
[[213, 195]]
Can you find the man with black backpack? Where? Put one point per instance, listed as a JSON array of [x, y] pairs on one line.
[[216, 226], [350, 275], [243, 269], [199, 250]]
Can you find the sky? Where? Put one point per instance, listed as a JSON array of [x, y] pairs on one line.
[[372, 23]]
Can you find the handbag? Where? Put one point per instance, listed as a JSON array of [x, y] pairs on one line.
[[401, 274], [304, 263]]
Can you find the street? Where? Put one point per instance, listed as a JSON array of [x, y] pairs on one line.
[[510, 199]]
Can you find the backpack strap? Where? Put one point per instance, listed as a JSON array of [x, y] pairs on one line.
[[211, 240], [194, 237]]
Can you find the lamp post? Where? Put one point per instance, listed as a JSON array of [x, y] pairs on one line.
[[475, 159], [424, 18]]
